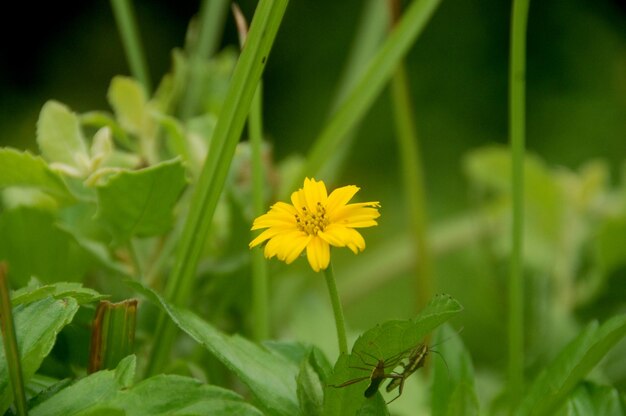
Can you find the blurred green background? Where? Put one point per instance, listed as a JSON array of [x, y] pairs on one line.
[[458, 69], [576, 111]]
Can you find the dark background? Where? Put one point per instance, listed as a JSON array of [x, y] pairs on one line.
[[458, 69]]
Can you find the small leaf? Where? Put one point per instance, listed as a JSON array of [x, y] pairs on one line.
[[59, 290], [453, 391], [88, 392], [60, 138], [25, 170], [37, 325], [140, 203], [270, 377], [128, 100], [391, 339], [556, 381], [310, 393]]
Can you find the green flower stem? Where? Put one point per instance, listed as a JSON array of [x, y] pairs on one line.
[[212, 18], [127, 26], [517, 116], [340, 321], [207, 191], [413, 178], [9, 337], [260, 308]]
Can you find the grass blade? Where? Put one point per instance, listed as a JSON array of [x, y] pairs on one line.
[[243, 85]]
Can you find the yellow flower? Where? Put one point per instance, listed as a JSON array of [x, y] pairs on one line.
[[315, 221]]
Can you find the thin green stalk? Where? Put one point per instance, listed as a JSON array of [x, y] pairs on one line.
[[260, 290], [9, 337], [212, 18], [340, 321], [260, 307], [369, 85], [517, 81], [127, 26], [413, 179], [207, 191]]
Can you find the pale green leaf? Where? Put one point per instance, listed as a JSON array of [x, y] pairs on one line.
[[60, 138], [559, 378], [140, 203], [128, 100], [25, 170], [37, 325], [88, 392], [270, 377]]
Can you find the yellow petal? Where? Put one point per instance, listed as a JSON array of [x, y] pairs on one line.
[[340, 197], [314, 193], [356, 213], [269, 233], [298, 245], [318, 254]]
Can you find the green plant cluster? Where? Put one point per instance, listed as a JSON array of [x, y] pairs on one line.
[[154, 200]]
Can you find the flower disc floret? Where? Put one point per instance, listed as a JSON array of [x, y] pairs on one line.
[[315, 220]]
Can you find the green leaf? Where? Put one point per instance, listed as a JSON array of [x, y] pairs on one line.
[[310, 393], [178, 395], [558, 379], [25, 170], [60, 138], [140, 203], [128, 100], [34, 246], [269, 376], [453, 391], [59, 290], [37, 325], [88, 392], [390, 339]]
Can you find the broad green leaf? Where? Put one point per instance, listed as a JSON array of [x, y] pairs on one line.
[[128, 100], [37, 325], [310, 393], [25, 170], [390, 339], [558, 379], [270, 377], [593, 399], [34, 246], [60, 138], [59, 290], [453, 391], [178, 395], [157, 396], [140, 203], [88, 392]]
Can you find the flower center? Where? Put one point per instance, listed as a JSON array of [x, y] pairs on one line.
[[312, 222]]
